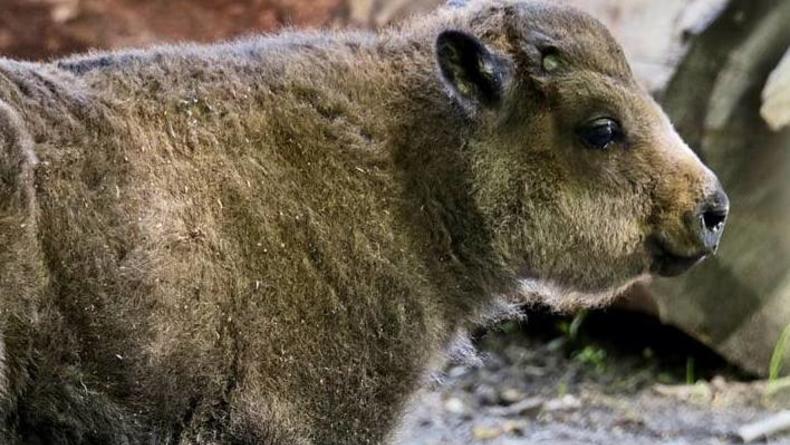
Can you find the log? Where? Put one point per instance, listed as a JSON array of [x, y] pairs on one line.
[[739, 301]]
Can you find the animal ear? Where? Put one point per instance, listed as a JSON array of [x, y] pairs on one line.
[[472, 72]]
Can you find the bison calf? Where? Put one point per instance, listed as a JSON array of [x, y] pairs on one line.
[[267, 241]]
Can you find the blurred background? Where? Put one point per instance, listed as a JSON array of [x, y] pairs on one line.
[[687, 360]]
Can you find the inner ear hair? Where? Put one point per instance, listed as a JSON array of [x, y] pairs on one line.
[[473, 73], [551, 60]]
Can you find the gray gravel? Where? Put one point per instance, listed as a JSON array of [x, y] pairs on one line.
[[534, 391]]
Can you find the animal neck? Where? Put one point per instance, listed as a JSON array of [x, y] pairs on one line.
[[428, 138]]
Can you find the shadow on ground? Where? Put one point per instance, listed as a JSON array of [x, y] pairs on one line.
[[602, 378]]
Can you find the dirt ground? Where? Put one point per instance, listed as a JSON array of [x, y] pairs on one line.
[[606, 379]]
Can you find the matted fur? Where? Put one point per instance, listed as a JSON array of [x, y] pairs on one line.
[[267, 241]]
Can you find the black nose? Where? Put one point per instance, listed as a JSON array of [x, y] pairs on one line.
[[709, 219]]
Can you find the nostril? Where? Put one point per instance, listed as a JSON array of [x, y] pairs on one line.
[[706, 223], [713, 220]]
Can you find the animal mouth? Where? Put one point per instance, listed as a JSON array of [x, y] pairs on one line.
[[667, 263]]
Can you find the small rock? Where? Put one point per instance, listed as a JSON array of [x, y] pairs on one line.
[[525, 407], [482, 432], [509, 396], [457, 371], [455, 405], [486, 394], [566, 402], [515, 427]]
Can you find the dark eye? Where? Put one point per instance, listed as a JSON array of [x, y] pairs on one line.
[[601, 133]]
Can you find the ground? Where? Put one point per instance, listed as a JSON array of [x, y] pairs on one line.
[[609, 379]]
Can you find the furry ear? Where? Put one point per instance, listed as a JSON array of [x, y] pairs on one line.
[[475, 75]]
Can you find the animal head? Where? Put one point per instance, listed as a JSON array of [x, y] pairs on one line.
[[579, 175]]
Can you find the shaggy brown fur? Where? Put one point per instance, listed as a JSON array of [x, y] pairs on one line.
[[265, 242]]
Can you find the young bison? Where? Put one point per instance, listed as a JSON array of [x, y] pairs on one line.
[[269, 241]]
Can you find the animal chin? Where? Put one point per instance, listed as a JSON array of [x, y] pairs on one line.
[[666, 263], [565, 299]]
